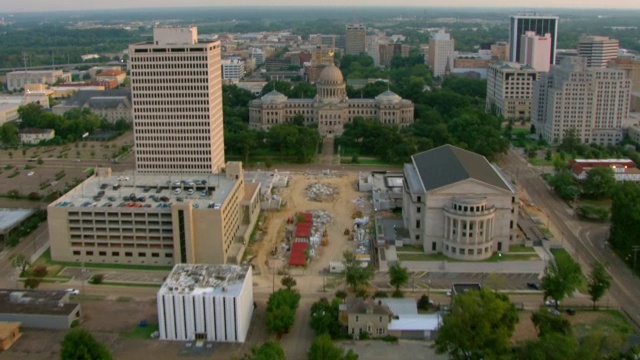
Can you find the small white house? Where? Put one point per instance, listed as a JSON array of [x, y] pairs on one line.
[[34, 136]]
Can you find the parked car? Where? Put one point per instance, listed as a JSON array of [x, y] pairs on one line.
[[571, 311], [72, 291], [177, 191], [534, 286], [554, 312], [551, 302]]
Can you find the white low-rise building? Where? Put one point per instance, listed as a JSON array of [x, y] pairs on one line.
[[206, 302]]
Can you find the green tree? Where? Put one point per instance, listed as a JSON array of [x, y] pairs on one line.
[[288, 282], [479, 325], [9, 134], [323, 348], [324, 317], [398, 276], [20, 262], [355, 274], [281, 310], [561, 277], [565, 184], [79, 344], [599, 183], [555, 346], [269, 350], [599, 282], [547, 323], [625, 217]]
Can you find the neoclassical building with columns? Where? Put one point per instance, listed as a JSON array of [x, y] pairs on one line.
[[331, 108], [458, 203]]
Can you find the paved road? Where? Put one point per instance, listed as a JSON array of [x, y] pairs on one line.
[[584, 240]]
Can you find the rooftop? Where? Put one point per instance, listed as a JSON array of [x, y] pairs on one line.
[[448, 164], [11, 217], [460, 288], [24, 301], [201, 279], [149, 191]]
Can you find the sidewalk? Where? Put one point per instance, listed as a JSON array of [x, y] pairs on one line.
[[476, 267]]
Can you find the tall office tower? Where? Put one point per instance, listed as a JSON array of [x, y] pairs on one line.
[[631, 67], [355, 39], [593, 102], [177, 103], [510, 89], [441, 54], [535, 50], [520, 24], [598, 50]]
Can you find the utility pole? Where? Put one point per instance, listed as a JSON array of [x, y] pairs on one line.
[[635, 249]]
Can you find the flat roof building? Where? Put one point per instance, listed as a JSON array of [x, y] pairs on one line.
[[510, 89], [540, 24], [355, 39], [20, 79], [155, 219], [176, 91], [441, 53], [206, 302], [598, 50], [40, 309], [535, 50]]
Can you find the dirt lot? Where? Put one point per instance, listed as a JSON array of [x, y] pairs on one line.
[[341, 207]]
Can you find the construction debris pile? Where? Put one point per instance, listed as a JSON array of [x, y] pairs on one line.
[[361, 237], [321, 192], [310, 229]]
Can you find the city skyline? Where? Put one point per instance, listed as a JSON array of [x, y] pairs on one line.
[[71, 5]]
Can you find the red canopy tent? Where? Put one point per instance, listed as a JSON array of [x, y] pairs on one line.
[[298, 256]]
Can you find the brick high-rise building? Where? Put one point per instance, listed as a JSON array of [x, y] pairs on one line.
[[176, 92]]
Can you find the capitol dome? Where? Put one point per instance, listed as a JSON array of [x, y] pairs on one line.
[[388, 96], [274, 96], [331, 75]]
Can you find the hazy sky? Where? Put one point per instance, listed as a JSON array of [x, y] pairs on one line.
[[49, 5]]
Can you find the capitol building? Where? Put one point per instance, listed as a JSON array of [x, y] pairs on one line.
[[331, 108]]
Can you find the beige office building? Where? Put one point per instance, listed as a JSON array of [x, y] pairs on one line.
[[20, 79], [510, 89], [593, 102], [155, 219], [535, 50], [355, 39], [441, 53], [598, 50], [631, 67], [176, 92]]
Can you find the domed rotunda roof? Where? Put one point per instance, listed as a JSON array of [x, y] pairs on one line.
[[274, 96], [388, 96], [331, 75]]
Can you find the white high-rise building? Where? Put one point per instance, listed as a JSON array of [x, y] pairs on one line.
[[441, 53], [592, 102], [598, 50], [510, 89], [233, 69], [535, 50], [206, 302], [176, 90]]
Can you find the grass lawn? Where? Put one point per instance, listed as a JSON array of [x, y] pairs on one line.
[[540, 161], [603, 204], [608, 321], [55, 267], [562, 253], [409, 248], [140, 332], [130, 284]]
